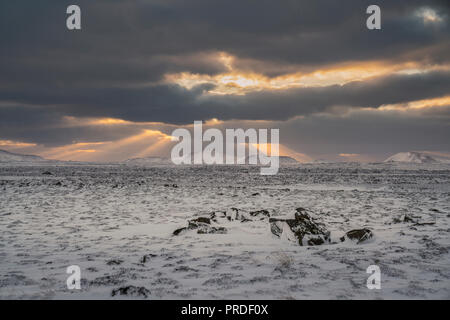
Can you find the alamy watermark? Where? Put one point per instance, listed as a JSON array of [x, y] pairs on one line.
[[374, 280], [231, 150], [74, 280], [73, 21]]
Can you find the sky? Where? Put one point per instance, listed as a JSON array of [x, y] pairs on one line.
[[139, 69]]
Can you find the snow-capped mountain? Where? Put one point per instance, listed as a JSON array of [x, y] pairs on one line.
[[317, 161], [412, 157], [6, 156]]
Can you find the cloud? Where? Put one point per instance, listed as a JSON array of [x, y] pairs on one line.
[[118, 66]]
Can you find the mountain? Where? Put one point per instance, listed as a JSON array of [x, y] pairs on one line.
[[412, 157], [287, 160], [6, 156], [319, 161]]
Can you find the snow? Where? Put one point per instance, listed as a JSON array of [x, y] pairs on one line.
[[283, 160], [116, 223], [412, 157]]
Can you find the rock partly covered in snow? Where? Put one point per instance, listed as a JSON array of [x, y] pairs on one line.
[[131, 291], [358, 235], [412, 157], [404, 219], [202, 225], [302, 229], [234, 214]]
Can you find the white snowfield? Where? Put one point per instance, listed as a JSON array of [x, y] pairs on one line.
[[416, 157], [116, 223]]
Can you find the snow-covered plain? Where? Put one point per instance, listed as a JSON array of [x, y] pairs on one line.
[[116, 223]]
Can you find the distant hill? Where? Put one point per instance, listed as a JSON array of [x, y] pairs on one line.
[[6, 156], [412, 157], [317, 161], [148, 161], [287, 160]]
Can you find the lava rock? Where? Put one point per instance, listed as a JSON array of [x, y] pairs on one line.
[[359, 235], [302, 228], [179, 231], [209, 229], [114, 262], [147, 257], [202, 225], [196, 222], [404, 219], [260, 213], [131, 291]]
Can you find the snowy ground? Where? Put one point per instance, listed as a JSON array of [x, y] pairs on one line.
[[116, 223]]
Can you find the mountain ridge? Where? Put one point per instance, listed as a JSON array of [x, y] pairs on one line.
[[7, 156], [413, 157]]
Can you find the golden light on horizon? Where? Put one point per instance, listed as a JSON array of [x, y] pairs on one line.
[[349, 155], [17, 144], [146, 141], [282, 151]]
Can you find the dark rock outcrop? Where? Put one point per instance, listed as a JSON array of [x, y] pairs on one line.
[[147, 257], [114, 262], [358, 235], [303, 228], [202, 225], [260, 213], [404, 219], [131, 291]]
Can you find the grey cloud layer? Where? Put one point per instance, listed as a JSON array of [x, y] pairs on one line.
[[127, 42], [111, 67], [173, 104]]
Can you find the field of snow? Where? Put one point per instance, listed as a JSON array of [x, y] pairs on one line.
[[116, 223]]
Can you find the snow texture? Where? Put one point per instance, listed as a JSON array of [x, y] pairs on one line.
[[412, 157], [116, 222]]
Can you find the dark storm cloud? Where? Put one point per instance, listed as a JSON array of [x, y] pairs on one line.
[[111, 67], [365, 132], [127, 42], [173, 104]]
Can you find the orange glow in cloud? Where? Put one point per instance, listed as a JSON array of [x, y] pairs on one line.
[[73, 121], [418, 104], [86, 150], [15, 144], [239, 82], [110, 121]]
